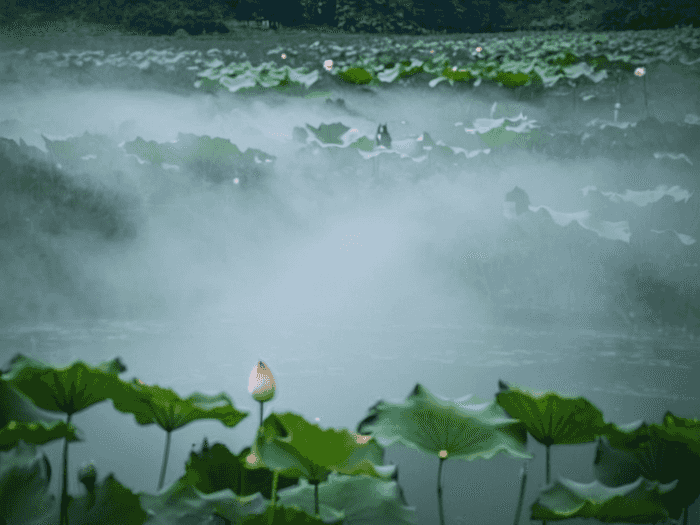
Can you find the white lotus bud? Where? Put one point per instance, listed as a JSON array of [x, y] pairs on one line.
[[261, 383]]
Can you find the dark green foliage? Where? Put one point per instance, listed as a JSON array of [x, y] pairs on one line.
[[372, 16], [198, 23], [380, 16], [215, 468], [153, 19], [661, 300], [59, 202]]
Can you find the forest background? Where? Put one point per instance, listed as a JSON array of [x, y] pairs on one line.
[[366, 16]]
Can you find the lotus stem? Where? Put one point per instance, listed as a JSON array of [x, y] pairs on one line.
[[521, 498], [275, 479], [547, 470], [64, 481], [273, 505], [166, 453], [644, 90], [439, 492], [261, 413]]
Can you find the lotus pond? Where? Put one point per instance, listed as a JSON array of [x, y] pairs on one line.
[[196, 235]]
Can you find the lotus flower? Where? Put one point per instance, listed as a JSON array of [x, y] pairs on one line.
[[261, 383]]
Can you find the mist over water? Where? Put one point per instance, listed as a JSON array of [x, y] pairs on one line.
[[283, 253], [347, 289]]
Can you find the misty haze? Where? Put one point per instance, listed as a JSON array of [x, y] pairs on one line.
[[352, 282]]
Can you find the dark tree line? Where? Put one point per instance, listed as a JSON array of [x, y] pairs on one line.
[[481, 15], [399, 16]]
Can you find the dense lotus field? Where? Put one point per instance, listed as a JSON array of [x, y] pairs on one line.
[[644, 232], [654, 238], [650, 229]]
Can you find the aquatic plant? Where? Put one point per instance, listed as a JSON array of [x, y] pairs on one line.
[[645, 472]]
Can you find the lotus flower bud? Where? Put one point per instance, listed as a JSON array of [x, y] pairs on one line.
[[261, 383]]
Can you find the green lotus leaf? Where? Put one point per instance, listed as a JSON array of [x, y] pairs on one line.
[[683, 430], [356, 75], [182, 503], [289, 444], [68, 390], [216, 468], [363, 499], [553, 419], [446, 428], [154, 404], [36, 433], [663, 453], [15, 406], [329, 133], [638, 502], [24, 484], [111, 503], [289, 516]]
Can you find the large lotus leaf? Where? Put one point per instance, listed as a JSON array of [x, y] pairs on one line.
[[72, 149], [446, 428], [192, 148], [683, 430], [110, 504], [656, 452], [152, 151], [269, 75], [15, 406], [553, 419], [36, 432], [289, 516], [329, 133], [68, 390], [245, 80], [216, 468], [355, 75], [643, 501], [287, 443], [182, 503], [154, 404], [363, 499], [24, 486], [300, 76]]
